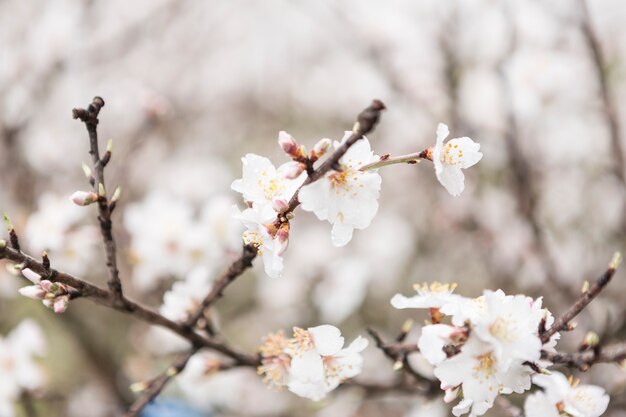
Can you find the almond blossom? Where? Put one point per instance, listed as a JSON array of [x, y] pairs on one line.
[[347, 198], [262, 183], [312, 363], [451, 158], [185, 296], [563, 395], [17, 367], [271, 242]]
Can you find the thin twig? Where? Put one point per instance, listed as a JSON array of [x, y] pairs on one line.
[[155, 386], [583, 301], [89, 117], [614, 353]]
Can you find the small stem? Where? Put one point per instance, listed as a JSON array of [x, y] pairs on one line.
[[412, 158]]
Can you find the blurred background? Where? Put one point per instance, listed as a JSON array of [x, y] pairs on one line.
[[190, 87]]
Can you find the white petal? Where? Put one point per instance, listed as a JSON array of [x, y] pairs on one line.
[[341, 234], [462, 407], [327, 339], [432, 341], [452, 178], [31, 275], [315, 198], [471, 155], [538, 405]]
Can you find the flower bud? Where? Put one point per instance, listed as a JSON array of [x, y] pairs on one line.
[[31, 275], [116, 194], [282, 237], [287, 143], [280, 205], [84, 198], [293, 170], [32, 291], [61, 303], [321, 148], [86, 170]]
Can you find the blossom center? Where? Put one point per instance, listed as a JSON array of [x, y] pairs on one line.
[[485, 366], [270, 187], [451, 154], [500, 329]]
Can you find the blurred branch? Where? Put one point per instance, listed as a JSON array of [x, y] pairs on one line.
[[562, 323], [89, 117], [509, 409], [154, 387], [613, 353], [609, 108], [366, 122]]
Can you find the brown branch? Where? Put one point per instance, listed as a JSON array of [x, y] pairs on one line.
[[583, 301], [89, 117], [126, 306], [366, 122], [155, 386], [397, 352], [614, 353]]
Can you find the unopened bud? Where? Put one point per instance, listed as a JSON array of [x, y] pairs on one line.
[[61, 303], [571, 326], [110, 145], [287, 143], [591, 339], [321, 148], [7, 221], [616, 261], [32, 291], [292, 170], [407, 325], [282, 236], [116, 194], [171, 371], [3, 244], [84, 198], [31, 275], [398, 365], [585, 287], [86, 170], [280, 205], [138, 387]]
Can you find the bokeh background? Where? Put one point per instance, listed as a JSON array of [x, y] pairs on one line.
[[190, 87]]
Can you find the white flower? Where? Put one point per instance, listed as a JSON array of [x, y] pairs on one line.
[[510, 326], [17, 367], [262, 183], [185, 296], [261, 232], [346, 198], [320, 364], [563, 395], [434, 338], [451, 158], [434, 295]]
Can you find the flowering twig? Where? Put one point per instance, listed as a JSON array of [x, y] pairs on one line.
[[126, 306], [366, 122], [585, 298], [89, 117], [614, 353]]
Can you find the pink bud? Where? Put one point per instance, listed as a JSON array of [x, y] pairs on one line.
[[61, 303], [282, 238], [84, 198], [48, 286], [32, 291], [280, 204], [321, 147], [292, 170], [287, 143], [450, 395], [31, 275]]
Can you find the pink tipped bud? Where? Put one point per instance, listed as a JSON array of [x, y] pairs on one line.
[[293, 170], [280, 205], [282, 238], [287, 143], [321, 148], [31, 275], [84, 198], [32, 291], [61, 303]]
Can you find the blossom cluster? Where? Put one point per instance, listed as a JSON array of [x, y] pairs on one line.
[[53, 295], [312, 363], [19, 371], [491, 346]]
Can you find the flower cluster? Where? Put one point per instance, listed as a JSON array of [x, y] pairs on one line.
[[490, 347], [53, 295], [19, 371], [563, 395], [312, 363]]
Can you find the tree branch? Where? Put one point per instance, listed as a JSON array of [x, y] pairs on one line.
[[89, 117]]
